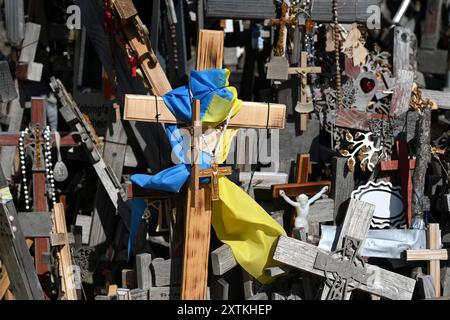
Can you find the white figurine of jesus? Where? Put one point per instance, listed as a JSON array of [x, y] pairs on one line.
[[302, 207]]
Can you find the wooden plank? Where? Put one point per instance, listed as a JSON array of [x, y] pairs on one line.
[[154, 74], [222, 260], [432, 61], [434, 266], [263, 180], [236, 9], [8, 90], [196, 246], [14, 252], [210, 49], [128, 279], [292, 190], [36, 225], [65, 255], [15, 21], [125, 9], [426, 254], [138, 294], [343, 185], [357, 221], [143, 273], [432, 27], [67, 139], [30, 43], [402, 49], [164, 293], [8, 154], [167, 272], [442, 98], [302, 255], [251, 115], [321, 211], [349, 11], [402, 92]]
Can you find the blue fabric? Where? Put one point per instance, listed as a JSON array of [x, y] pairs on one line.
[[204, 85], [138, 207]]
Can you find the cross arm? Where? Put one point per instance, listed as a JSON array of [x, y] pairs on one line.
[[302, 70], [251, 115], [295, 189], [427, 254], [67, 139], [302, 255]]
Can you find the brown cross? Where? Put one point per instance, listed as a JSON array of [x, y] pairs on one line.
[[406, 167], [284, 21], [214, 173]]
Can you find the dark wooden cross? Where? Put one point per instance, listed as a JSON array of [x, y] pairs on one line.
[[40, 204], [304, 105], [301, 185], [283, 23], [406, 167], [214, 173]]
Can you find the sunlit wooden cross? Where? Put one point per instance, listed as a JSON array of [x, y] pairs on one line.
[[214, 174], [304, 105], [199, 197], [433, 255]]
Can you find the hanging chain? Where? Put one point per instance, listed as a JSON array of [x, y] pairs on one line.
[[23, 167], [337, 51]]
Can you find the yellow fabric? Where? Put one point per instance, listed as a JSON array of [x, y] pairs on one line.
[[247, 228], [219, 108]]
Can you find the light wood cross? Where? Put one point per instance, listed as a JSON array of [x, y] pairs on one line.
[[433, 255], [304, 105], [369, 278], [198, 216], [214, 173]]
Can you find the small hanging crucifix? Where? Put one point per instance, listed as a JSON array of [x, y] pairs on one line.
[[304, 105]]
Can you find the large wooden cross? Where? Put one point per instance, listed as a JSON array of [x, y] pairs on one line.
[[368, 278], [42, 246], [433, 255], [198, 218]]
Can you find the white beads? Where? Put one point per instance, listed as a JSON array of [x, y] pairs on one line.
[[23, 167], [48, 166]]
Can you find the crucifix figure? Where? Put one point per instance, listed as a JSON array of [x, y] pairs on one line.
[[304, 105], [301, 206], [214, 173]]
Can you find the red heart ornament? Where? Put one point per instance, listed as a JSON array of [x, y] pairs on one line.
[[367, 85]]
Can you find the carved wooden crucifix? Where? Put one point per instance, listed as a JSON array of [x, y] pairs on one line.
[[304, 105], [38, 121], [341, 278]]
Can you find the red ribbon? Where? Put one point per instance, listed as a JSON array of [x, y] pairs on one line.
[[110, 25]]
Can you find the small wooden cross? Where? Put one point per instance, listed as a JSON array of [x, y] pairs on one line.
[[433, 255], [406, 167], [304, 105], [284, 21], [214, 172]]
